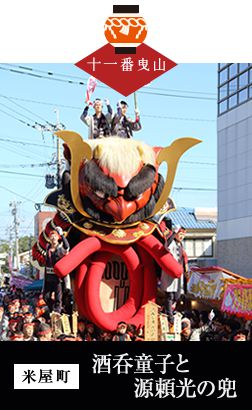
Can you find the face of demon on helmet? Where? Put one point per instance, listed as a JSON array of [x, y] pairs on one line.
[[123, 192], [114, 181]]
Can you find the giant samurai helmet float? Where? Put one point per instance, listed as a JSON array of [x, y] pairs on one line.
[[107, 205]]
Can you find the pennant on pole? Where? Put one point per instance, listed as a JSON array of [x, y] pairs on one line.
[[91, 84]]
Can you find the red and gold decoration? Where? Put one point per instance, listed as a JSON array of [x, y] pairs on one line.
[[219, 287], [125, 63], [237, 300], [106, 209], [125, 28]]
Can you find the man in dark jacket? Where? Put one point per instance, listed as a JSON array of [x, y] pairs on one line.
[[121, 125], [98, 123], [173, 287], [58, 248]]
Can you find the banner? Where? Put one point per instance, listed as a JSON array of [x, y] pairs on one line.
[[56, 324], [91, 85], [66, 324], [207, 286], [151, 321], [177, 327], [75, 323], [238, 300], [163, 327]]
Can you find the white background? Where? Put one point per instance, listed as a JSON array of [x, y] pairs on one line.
[[184, 30], [72, 383]]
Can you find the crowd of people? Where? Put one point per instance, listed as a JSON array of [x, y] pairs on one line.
[[24, 316], [29, 316], [214, 326]]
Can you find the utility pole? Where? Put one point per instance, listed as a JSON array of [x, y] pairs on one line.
[[14, 206], [58, 127], [10, 249], [30, 256], [50, 179]]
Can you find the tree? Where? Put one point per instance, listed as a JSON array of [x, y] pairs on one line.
[[4, 248], [26, 243]]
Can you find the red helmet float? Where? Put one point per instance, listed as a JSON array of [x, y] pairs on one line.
[[106, 205]]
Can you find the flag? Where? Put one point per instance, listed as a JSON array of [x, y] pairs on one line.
[[91, 84]]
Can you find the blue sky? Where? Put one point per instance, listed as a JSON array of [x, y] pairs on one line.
[[164, 118]]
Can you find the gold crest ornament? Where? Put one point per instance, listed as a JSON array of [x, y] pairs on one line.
[[171, 156], [80, 151], [65, 205]]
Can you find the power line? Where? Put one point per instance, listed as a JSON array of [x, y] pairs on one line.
[[142, 115], [44, 103], [20, 153], [15, 193], [29, 226], [193, 189], [193, 163], [44, 77], [81, 78], [39, 127], [16, 112], [51, 163], [51, 146], [198, 163], [82, 83], [175, 188], [42, 164], [181, 91], [35, 190], [44, 72], [177, 118], [177, 96], [18, 119], [21, 173], [25, 109], [26, 143]]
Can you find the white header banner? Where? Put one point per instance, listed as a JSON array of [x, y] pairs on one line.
[[184, 31]]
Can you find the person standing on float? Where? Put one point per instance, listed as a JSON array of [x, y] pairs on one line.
[[99, 123], [174, 287], [123, 126], [57, 248]]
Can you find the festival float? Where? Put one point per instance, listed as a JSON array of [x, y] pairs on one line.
[[107, 206], [222, 289]]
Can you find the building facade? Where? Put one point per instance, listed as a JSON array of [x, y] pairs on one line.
[[200, 225], [234, 124], [41, 220]]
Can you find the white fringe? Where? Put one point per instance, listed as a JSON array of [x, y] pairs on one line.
[[121, 155]]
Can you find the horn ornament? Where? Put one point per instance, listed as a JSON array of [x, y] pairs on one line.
[[171, 156], [79, 150]]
